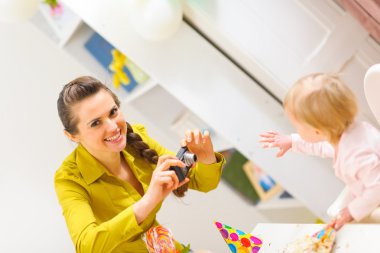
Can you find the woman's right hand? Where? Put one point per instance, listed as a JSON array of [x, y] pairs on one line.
[[272, 139], [163, 180]]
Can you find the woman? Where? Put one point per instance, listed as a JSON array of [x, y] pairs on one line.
[[112, 185]]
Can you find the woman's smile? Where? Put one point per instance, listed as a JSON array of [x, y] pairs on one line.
[[115, 138]]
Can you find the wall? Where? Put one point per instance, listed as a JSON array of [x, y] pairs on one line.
[[32, 144]]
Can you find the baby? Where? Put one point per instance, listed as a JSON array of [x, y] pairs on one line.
[[323, 111]]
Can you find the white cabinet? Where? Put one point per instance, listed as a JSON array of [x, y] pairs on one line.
[[59, 26]]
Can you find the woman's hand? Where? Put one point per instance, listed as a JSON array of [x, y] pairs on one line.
[[273, 139], [163, 182], [342, 218], [200, 144]]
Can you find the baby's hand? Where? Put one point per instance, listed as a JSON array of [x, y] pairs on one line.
[[273, 139], [342, 218]]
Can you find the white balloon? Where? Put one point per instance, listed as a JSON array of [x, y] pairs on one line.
[[17, 10], [156, 19]]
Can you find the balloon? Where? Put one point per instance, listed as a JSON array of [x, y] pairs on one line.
[[17, 10], [155, 19]]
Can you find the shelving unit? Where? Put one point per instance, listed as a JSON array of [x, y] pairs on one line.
[[71, 33], [279, 203], [75, 48], [140, 90], [144, 102], [63, 25], [163, 111]]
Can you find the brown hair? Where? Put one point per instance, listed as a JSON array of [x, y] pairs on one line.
[[324, 102], [86, 86]]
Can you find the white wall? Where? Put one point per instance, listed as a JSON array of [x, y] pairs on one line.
[[32, 143], [33, 70]]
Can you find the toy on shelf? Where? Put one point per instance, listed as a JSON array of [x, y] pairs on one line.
[[238, 241], [124, 72], [263, 184], [119, 76], [56, 7]]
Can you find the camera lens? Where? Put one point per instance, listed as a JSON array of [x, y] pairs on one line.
[[189, 159]]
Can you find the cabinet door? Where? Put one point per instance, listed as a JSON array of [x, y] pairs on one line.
[[366, 55], [279, 41]]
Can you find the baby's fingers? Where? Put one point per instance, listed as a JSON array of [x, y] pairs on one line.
[[268, 145], [266, 139], [268, 134], [281, 152]]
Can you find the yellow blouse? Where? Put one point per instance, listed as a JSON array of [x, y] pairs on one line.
[[98, 207]]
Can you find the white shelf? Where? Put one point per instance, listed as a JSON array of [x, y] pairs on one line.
[[279, 203], [163, 111], [72, 39], [140, 90], [188, 120], [63, 25], [76, 49]]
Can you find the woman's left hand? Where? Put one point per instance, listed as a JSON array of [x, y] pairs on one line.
[[200, 144], [342, 218]]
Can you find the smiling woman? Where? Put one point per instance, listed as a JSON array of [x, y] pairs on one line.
[[113, 184]]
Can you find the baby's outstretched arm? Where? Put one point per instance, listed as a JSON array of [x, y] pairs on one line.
[[342, 218], [272, 139]]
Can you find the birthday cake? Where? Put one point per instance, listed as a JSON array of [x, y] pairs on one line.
[[309, 244]]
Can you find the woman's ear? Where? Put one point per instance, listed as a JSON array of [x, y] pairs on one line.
[[72, 137]]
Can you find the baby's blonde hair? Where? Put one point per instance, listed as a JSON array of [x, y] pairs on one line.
[[323, 102]]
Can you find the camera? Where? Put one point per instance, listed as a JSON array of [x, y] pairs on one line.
[[188, 159]]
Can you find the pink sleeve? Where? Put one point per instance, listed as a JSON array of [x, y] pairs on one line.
[[367, 168], [322, 149]]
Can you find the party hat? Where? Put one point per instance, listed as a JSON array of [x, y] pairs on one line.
[[238, 241]]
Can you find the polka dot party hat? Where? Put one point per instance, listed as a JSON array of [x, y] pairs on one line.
[[238, 241]]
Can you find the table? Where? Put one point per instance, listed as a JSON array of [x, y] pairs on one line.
[[352, 238]]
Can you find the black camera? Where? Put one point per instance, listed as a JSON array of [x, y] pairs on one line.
[[188, 159]]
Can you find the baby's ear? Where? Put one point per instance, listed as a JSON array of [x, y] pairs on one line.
[[321, 133]]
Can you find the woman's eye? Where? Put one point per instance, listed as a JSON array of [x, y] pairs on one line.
[[114, 111], [95, 123]]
